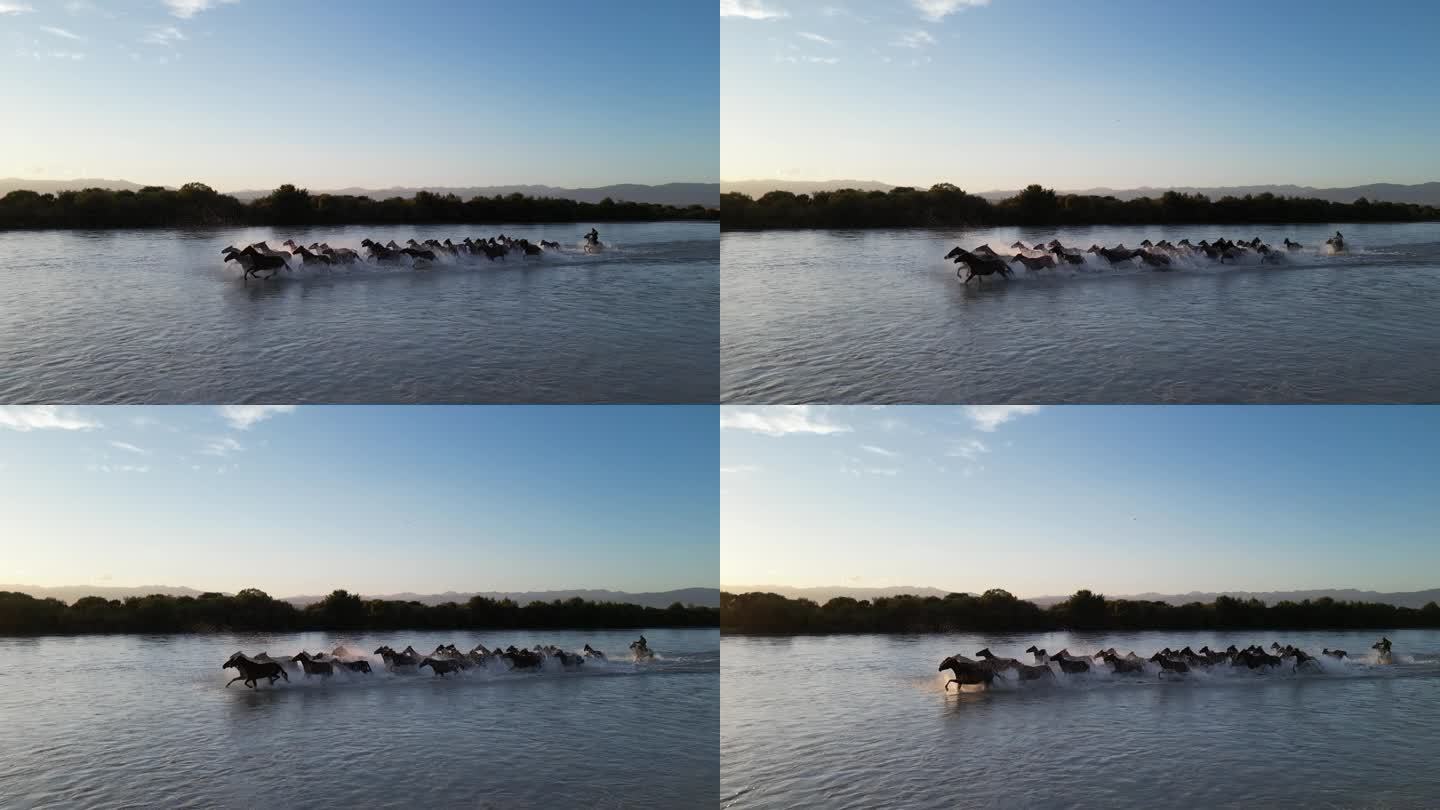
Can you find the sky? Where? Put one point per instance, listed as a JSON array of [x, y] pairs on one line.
[[1074, 94], [299, 501], [249, 94], [1046, 501]]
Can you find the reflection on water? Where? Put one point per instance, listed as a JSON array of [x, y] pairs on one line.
[[865, 721], [129, 721], [879, 317], [156, 316]]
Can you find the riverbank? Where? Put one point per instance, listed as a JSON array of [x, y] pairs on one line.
[[998, 611], [253, 610], [946, 206], [198, 205]]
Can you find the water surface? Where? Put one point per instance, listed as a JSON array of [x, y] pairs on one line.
[[865, 721], [878, 316], [157, 317], [147, 721]]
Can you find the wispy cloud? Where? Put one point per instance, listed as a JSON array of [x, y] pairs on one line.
[[818, 38], [185, 9], [25, 418], [62, 33], [76, 8], [812, 60], [119, 468], [130, 448], [879, 451], [241, 417], [738, 469], [780, 420], [915, 39], [989, 417], [15, 8], [221, 446], [751, 10], [164, 35], [969, 449], [937, 10]]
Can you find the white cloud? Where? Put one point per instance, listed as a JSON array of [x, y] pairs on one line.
[[750, 10], [61, 32], [164, 35], [989, 417], [889, 472], [120, 468], [221, 446], [185, 9], [970, 449], [818, 38], [15, 8], [130, 448], [25, 418], [915, 39], [779, 420], [879, 451], [813, 60], [241, 417], [937, 10], [738, 468]]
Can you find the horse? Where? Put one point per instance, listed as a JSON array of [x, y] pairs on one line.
[[418, 253], [252, 671], [967, 671], [1113, 255], [1120, 665], [1071, 256], [1034, 262], [1023, 671], [440, 666], [313, 258], [1168, 664], [981, 266], [1153, 259], [549, 245], [591, 652], [1040, 655], [1336, 243], [1292, 245], [313, 666], [1336, 654], [522, 659], [1071, 666], [356, 666], [641, 650]]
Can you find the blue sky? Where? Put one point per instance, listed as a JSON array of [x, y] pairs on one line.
[[373, 499], [1121, 500], [252, 93], [996, 94]]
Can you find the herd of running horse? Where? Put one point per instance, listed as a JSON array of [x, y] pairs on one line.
[[258, 257], [984, 261], [446, 658], [969, 671]]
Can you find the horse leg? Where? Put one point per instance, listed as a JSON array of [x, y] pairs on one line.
[[234, 679]]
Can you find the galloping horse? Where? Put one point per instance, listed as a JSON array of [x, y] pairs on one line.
[[967, 671], [252, 671]]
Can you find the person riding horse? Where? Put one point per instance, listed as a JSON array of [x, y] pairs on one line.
[[593, 237]]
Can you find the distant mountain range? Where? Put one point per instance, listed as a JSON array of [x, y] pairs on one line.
[[1422, 193], [1410, 599], [823, 594], [702, 597], [680, 194]]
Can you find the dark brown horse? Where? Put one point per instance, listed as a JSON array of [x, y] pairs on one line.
[[312, 665], [967, 671], [440, 666], [252, 671]]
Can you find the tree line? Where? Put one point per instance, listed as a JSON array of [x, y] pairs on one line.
[[947, 206], [198, 205], [255, 610], [997, 610]]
